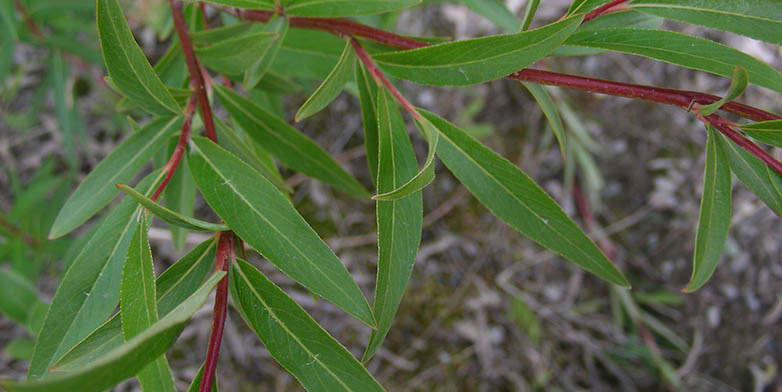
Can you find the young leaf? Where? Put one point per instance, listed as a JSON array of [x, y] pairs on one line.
[[424, 176], [128, 67], [180, 197], [196, 384], [293, 338], [367, 93], [331, 86], [399, 222], [738, 84], [89, 290], [551, 112], [234, 143], [235, 55], [496, 12], [169, 216], [759, 19], [139, 308], [129, 358], [765, 183], [173, 286], [476, 60], [344, 8], [279, 26], [680, 49], [714, 213], [267, 221], [97, 190], [290, 146], [513, 197], [769, 132]]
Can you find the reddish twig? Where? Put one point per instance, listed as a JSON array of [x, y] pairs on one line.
[[613, 6], [193, 68], [225, 253], [381, 79], [16, 232], [28, 21], [179, 151], [726, 128]]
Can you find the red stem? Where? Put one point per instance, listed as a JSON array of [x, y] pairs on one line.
[[28, 21], [380, 78], [225, 252], [16, 232], [726, 128], [607, 8], [193, 68], [179, 151]]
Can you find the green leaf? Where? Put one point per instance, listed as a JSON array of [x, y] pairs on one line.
[[714, 213], [20, 349], [196, 384], [738, 84], [344, 8], [331, 86], [169, 216], [513, 197], [399, 222], [549, 108], [769, 132], [496, 12], [127, 65], [476, 60], [367, 92], [247, 4], [529, 14], [765, 183], [139, 308], [18, 297], [129, 358], [759, 19], [680, 49], [308, 54], [279, 26], [235, 55], [180, 195], [424, 176], [293, 338], [173, 286], [89, 290], [253, 208], [234, 143], [290, 146], [97, 190]]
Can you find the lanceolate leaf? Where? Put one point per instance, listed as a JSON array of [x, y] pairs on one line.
[[255, 210], [496, 12], [759, 19], [367, 92], [173, 286], [769, 132], [129, 358], [424, 176], [398, 222], [235, 55], [97, 190], [714, 213], [89, 291], [680, 49], [139, 308], [513, 197], [738, 84], [278, 26], [344, 8], [765, 183], [477, 60], [290, 146], [169, 216], [293, 338], [127, 65], [235, 144], [331, 86], [551, 112]]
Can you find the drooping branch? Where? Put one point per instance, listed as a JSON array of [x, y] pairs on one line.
[[193, 68]]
